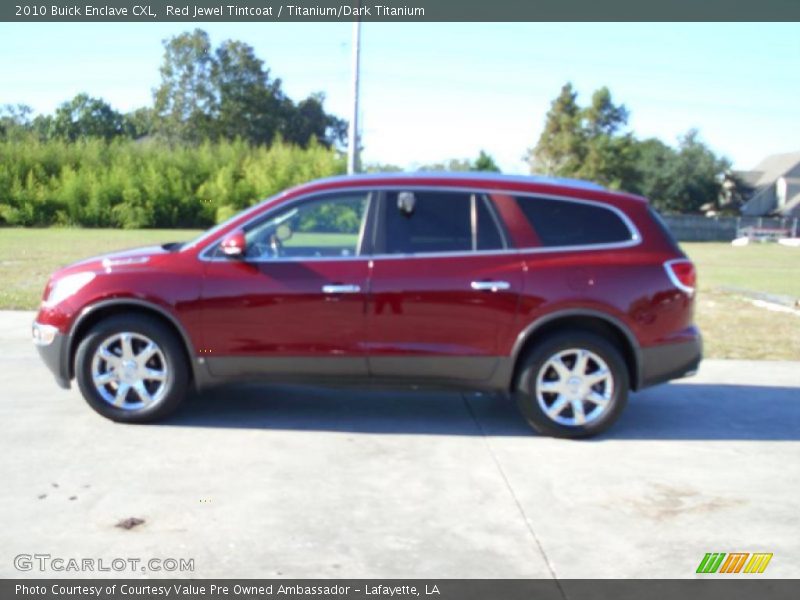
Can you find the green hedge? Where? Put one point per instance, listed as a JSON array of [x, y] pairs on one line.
[[135, 184]]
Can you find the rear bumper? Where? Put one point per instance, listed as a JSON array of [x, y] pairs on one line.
[[670, 361], [52, 346]]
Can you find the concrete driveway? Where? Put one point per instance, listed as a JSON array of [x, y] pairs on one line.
[[257, 481]]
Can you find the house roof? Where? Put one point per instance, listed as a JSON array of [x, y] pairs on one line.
[[769, 169], [749, 178]]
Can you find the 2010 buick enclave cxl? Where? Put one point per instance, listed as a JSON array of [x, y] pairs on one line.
[[560, 292]]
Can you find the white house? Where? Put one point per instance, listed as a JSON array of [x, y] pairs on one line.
[[773, 186]]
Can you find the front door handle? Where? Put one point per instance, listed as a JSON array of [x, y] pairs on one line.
[[336, 288], [490, 286]]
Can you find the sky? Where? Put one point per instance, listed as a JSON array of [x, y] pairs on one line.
[[435, 91]]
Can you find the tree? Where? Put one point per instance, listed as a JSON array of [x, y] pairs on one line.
[[308, 120], [249, 103], [586, 142], [654, 165], [679, 180], [185, 101], [452, 165], [561, 148], [609, 154], [86, 117], [696, 176], [139, 123], [485, 162], [382, 168], [602, 116], [592, 143], [15, 120], [228, 93], [610, 161]]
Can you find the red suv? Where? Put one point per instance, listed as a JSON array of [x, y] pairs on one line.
[[563, 293]]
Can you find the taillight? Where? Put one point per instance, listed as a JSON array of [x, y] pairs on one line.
[[682, 274]]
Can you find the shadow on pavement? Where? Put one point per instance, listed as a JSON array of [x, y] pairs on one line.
[[303, 408], [677, 411], [683, 411]]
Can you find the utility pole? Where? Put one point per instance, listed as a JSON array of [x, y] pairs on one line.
[[352, 133]]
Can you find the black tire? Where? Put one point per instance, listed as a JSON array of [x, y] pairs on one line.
[[176, 381], [526, 385]]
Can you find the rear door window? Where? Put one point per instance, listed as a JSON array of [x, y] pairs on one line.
[[423, 222], [488, 235]]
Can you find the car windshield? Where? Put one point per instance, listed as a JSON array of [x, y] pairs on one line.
[[209, 233]]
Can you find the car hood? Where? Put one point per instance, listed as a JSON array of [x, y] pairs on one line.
[[123, 259]]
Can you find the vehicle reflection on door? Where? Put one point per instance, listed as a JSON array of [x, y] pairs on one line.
[[275, 317], [426, 311]]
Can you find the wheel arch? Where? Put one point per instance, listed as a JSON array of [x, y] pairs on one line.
[[585, 319], [94, 313]]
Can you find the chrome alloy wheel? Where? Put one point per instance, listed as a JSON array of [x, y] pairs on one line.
[[574, 387], [129, 371]]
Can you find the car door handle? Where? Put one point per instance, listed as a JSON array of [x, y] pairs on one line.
[[490, 286], [336, 288]]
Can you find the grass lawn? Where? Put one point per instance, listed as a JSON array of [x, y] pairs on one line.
[[29, 256], [732, 326], [769, 268]]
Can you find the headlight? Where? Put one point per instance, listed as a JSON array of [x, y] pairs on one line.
[[66, 287]]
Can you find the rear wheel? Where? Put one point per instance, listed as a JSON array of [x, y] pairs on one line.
[[131, 369], [572, 384]]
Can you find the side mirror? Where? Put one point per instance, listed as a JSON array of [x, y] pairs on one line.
[[234, 244]]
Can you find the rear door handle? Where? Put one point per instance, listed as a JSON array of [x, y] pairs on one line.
[[490, 286], [340, 289]]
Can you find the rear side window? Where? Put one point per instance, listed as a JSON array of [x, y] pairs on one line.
[[568, 223], [432, 222]]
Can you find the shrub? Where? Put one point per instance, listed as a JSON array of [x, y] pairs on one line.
[[130, 184]]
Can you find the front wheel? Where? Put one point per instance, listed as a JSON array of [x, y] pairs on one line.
[[131, 369], [572, 385]]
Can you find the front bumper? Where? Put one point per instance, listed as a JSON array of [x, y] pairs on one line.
[[52, 347], [670, 361]]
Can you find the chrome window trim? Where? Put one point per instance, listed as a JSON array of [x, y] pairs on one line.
[[635, 240], [473, 221]]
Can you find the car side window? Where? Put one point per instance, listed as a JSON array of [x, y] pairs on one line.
[[329, 226], [568, 223], [421, 222]]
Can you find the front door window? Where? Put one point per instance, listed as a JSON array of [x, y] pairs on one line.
[[327, 227]]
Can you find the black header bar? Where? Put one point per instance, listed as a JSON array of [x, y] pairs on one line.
[[397, 11]]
